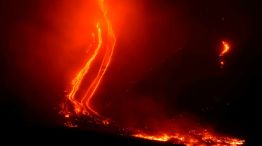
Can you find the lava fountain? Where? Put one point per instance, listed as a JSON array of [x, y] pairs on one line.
[[100, 55]]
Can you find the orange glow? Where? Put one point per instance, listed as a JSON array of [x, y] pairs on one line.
[[225, 49], [103, 67], [100, 56], [105, 47], [192, 138], [222, 63]]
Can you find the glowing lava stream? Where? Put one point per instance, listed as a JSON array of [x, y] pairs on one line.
[[225, 49], [83, 106], [192, 138]]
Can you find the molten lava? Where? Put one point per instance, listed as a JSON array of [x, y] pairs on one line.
[[225, 49], [105, 47], [192, 138], [100, 56]]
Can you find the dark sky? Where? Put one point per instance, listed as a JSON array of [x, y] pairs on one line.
[[166, 55]]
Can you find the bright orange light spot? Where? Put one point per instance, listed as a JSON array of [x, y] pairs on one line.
[[67, 115], [225, 49], [106, 122]]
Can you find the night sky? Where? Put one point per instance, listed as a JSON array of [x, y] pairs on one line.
[[166, 57]]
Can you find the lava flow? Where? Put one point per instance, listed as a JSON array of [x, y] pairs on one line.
[[192, 138], [104, 42], [97, 63], [225, 49]]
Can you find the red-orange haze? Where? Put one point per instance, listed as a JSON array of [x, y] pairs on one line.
[[100, 52], [89, 77]]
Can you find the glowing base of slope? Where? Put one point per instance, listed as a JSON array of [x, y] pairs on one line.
[[192, 138]]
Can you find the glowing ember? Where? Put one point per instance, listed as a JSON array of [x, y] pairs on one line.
[[192, 138], [225, 49], [104, 48]]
